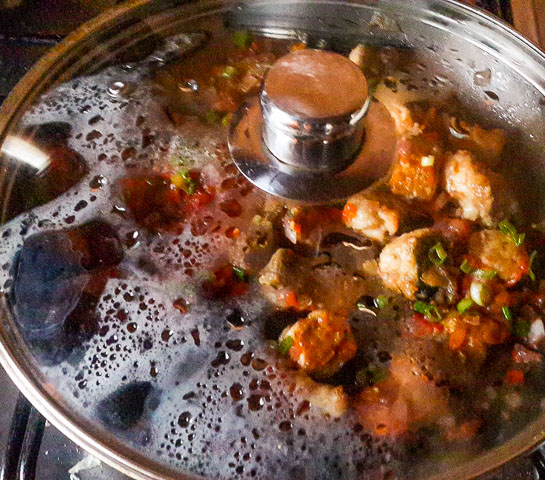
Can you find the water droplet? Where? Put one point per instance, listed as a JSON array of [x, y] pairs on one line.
[[132, 239], [255, 402], [116, 88], [181, 305], [188, 86], [184, 420], [482, 78], [196, 337], [222, 358], [492, 95], [246, 359], [237, 392], [166, 334], [236, 345], [285, 426], [97, 182], [258, 364], [236, 320]]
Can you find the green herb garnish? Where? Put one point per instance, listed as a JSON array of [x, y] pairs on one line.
[[285, 345], [507, 228], [530, 263], [437, 254], [466, 267], [382, 301], [507, 312], [431, 312], [484, 274], [464, 305], [371, 376], [239, 274]]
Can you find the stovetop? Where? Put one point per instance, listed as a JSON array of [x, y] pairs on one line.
[[28, 29]]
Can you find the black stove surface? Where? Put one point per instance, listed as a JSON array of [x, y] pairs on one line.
[[28, 29]]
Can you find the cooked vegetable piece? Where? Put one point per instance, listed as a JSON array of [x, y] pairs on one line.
[[322, 343], [411, 176], [467, 182], [507, 228], [494, 250], [401, 260], [437, 254], [480, 293], [376, 213], [464, 305]]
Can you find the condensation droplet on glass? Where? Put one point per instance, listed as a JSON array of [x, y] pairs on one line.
[[116, 88], [482, 78], [188, 86]]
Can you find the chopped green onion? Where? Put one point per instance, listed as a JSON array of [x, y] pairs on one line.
[[530, 263], [437, 254], [226, 120], [427, 161], [520, 329], [431, 312], [464, 305], [382, 301], [466, 267], [484, 274], [480, 293], [371, 376], [507, 228], [506, 312], [285, 345], [365, 303], [239, 274], [242, 39], [228, 72]]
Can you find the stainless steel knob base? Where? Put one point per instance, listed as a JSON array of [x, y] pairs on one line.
[[264, 170]]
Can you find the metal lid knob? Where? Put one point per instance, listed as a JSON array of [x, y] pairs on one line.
[[313, 103], [303, 137]]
